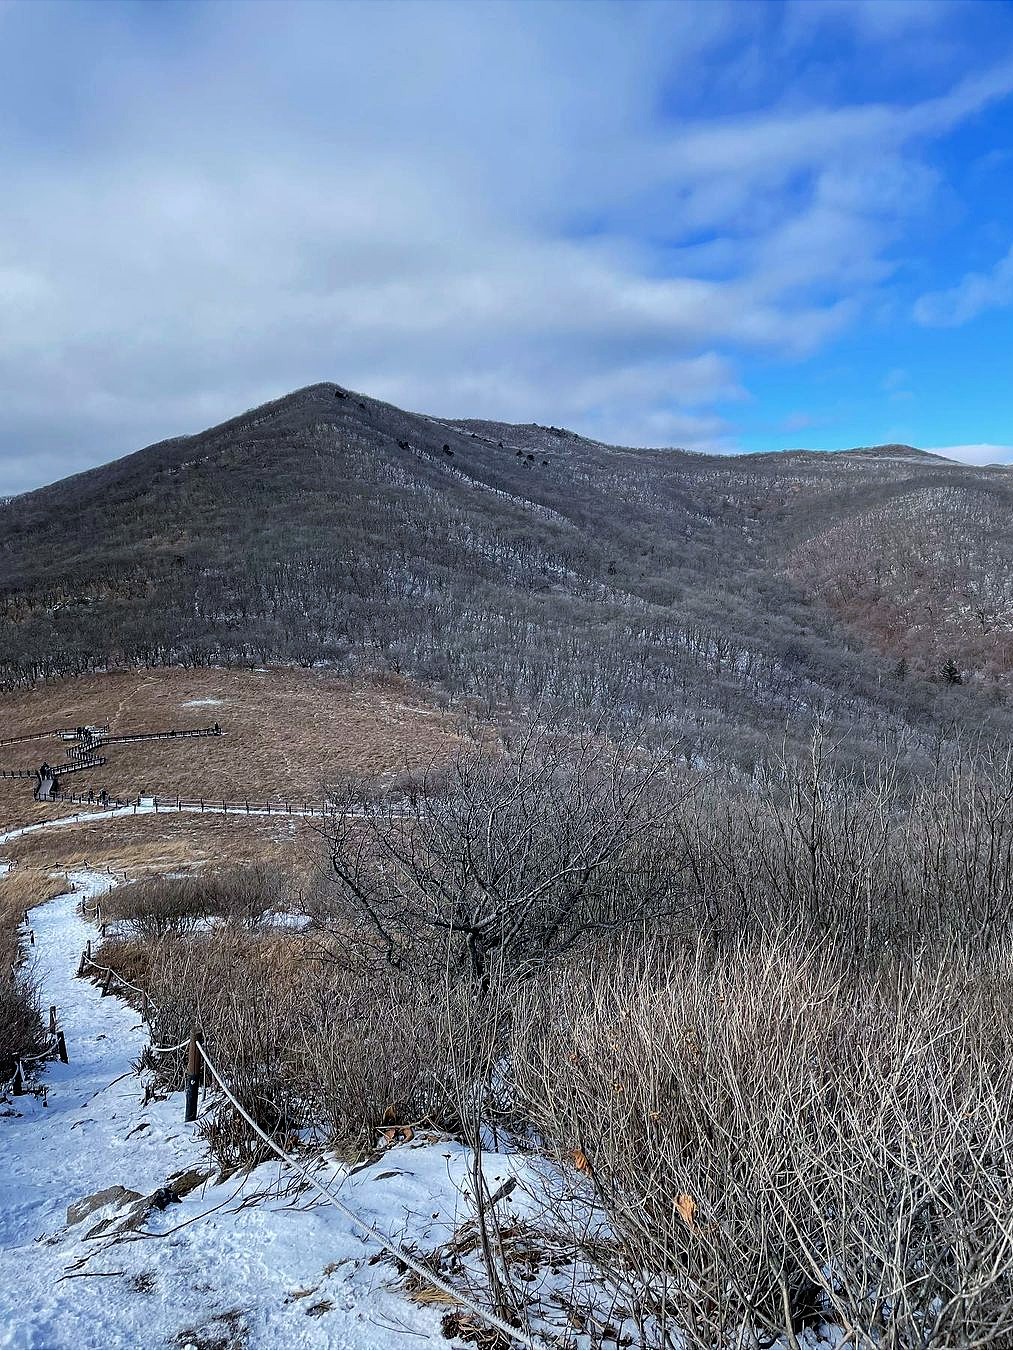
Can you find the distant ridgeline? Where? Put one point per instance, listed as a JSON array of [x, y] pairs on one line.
[[708, 597]]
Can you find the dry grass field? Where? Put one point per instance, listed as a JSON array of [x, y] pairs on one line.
[[287, 733], [24, 888], [171, 843]]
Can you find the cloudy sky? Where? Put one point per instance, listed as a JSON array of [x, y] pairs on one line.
[[731, 227]]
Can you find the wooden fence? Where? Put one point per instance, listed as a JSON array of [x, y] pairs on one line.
[[38, 736], [242, 807], [171, 735]]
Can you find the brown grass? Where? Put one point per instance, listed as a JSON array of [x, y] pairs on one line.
[[156, 844], [24, 888], [288, 733]]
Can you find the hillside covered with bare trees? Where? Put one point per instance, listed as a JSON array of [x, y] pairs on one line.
[[714, 597]]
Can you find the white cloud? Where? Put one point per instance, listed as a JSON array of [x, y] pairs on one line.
[[873, 20], [973, 294], [473, 210], [975, 454]]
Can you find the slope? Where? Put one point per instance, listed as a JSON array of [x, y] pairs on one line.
[[501, 563]]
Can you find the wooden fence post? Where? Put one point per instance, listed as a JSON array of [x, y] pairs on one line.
[[61, 1046], [18, 1086], [52, 1020], [192, 1078]]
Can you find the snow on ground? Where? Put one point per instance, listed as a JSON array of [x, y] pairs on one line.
[[221, 1267]]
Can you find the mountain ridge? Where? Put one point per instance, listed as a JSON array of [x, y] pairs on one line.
[[258, 414], [713, 595]]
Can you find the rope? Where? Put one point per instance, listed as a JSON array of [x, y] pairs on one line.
[[394, 1248], [42, 1055], [123, 981], [487, 1316]]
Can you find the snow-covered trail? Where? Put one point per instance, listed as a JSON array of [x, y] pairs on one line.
[[42, 1158], [278, 1273], [75, 820]]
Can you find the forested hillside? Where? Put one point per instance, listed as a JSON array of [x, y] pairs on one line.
[[715, 596]]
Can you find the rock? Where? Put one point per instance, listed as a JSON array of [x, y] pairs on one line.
[[182, 1184], [109, 1196]]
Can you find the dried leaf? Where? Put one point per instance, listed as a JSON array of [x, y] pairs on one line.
[[580, 1161], [686, 1207]]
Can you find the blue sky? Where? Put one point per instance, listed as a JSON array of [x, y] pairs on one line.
[[730, 227]]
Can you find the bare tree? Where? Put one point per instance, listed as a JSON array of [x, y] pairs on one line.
[[520, 855]]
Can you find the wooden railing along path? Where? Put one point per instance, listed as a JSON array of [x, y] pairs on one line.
[[244, 807]]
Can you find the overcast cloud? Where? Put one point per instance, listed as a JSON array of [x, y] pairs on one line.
[[601, 215]]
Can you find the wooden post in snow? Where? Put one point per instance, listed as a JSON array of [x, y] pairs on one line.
[[192, 1077]]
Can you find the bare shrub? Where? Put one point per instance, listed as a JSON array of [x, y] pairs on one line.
[[20, 1016], [243, 992], [390, 1051], [778, 1141], [517, 857], [302, 1042], [156, 906]]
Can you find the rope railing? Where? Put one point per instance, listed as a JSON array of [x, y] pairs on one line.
[[169, 1050], [197, 1055], [55, 1048], [149, 1008], [390, 1245]]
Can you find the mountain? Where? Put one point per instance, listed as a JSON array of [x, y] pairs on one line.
[[710, 596]]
